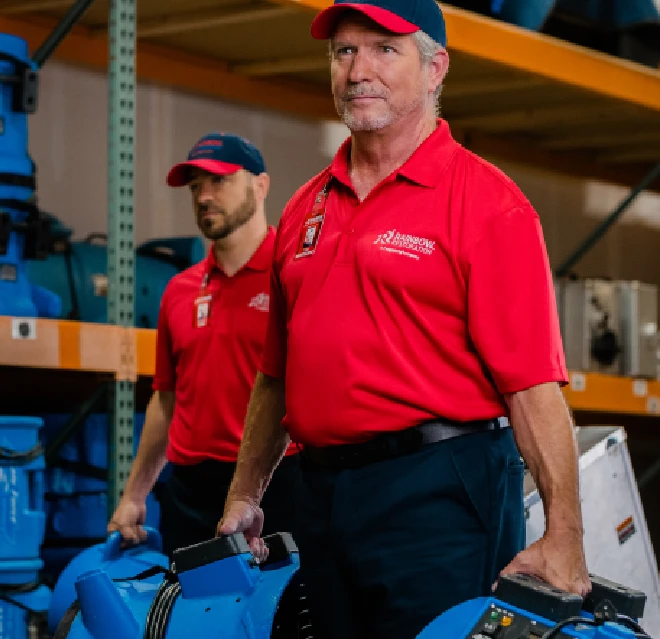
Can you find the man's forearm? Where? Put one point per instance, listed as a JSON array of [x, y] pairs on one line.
[[264, 440], [544, 433], [151, 454]]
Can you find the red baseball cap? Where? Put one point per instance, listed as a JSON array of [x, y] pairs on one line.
[[218, 153], [398, 16]]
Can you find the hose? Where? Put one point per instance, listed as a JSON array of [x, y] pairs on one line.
[[161, 610], [553, 632], [639, 632], [11, 457]]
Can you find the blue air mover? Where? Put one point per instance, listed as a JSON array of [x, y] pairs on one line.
[[110, 557], [23, 231], [526, 608], [77, 272], [22, 518], [214, 590]]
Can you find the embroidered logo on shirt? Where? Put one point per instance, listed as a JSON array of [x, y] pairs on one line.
[[261, 302], [403, 244]]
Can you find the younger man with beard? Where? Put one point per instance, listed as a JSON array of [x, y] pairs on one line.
[[211, 331]]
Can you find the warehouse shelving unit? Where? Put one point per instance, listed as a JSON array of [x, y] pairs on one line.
[[121, 255], [127, 354], [511, 93]]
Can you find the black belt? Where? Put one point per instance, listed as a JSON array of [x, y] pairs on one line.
[[395, 444]]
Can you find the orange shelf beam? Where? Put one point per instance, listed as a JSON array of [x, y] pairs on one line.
[[128, 353], [610, 394], [167, 67], [68, 345], [146, 351]]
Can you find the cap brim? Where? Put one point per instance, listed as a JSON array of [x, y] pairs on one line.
[[179, 174], [325, 22]]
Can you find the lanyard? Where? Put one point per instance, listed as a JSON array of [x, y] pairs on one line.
[[313, 223], [202, 304]]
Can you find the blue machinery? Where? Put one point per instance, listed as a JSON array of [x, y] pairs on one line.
[[111, 558], [216, 590], [23, 599], [76, 271], [42, 272], [525, 608], [23, 230]]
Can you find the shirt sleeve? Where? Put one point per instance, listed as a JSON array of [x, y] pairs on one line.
[[165, 376], [512, 309], [273, 361]]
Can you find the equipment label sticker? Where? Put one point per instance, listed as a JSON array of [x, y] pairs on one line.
[[625, 530]]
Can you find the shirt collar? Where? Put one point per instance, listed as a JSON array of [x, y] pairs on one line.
[[423, 167], [260, 260]]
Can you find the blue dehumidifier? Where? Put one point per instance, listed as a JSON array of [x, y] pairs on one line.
[[23, 230]]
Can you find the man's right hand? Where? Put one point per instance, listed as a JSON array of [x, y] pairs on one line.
[[244, 515], [129, 519]]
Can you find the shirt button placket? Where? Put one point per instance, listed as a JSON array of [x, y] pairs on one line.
[[347, 238]]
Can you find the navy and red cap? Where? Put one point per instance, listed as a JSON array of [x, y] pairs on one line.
[[397, 16], [221, 154]]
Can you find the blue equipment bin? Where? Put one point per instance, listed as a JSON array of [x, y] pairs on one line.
[[78, 516], [76, 504], [22, 516], [20, 589], [20, 571], [89, 447], [16, 621]]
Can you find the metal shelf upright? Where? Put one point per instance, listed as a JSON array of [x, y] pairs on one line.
[[121, 263]]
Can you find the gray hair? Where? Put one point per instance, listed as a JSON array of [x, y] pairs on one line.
[[428, 48]]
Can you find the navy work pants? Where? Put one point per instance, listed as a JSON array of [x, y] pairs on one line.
[[387, 547], [194, 497]]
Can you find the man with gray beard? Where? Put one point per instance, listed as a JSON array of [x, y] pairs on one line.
[[413, 351], [210, 336]]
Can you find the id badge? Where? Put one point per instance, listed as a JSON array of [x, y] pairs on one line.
[[309, 236], [311, 229], [202, 311]]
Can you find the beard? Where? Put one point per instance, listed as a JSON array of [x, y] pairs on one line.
[[224, 223], [357, 121]]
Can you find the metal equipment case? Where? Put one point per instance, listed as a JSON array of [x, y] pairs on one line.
[[616, 538], [638, 315], [590, 326]]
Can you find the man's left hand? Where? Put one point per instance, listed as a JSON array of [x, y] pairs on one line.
[[557, 559]]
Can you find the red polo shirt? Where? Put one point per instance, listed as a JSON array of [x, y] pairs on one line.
[[212, 369], [428, 299]]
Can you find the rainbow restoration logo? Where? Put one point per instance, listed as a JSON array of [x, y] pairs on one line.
[[405, 244]]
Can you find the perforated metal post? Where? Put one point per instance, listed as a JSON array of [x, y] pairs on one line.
[[121, 266]]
